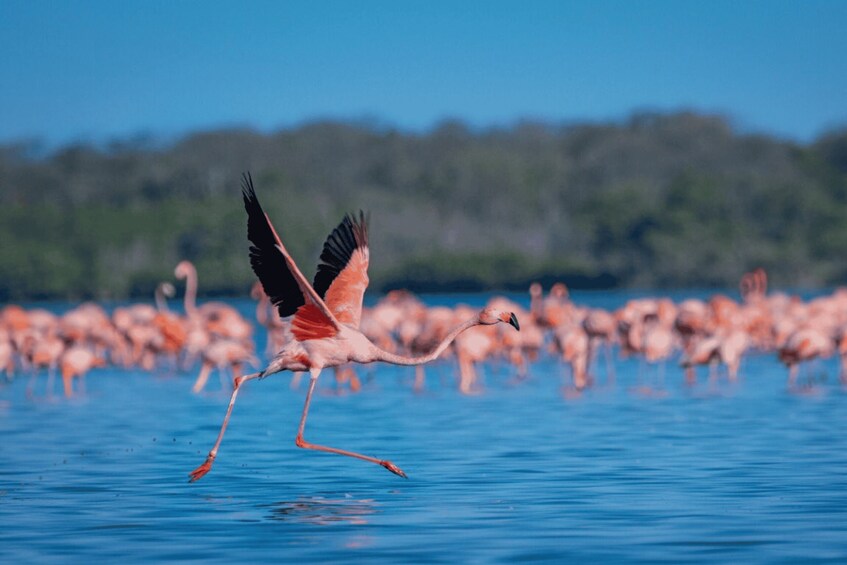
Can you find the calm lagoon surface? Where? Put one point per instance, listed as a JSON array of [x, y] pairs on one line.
[[521, 472]]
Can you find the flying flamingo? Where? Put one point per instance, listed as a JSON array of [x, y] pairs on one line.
[[325, 313]]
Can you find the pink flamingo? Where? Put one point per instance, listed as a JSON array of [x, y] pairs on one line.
[[802, 345], [472, 348], [218, 318], [325, 313], [7, 354], [572, 343], [223, 354], [170, 326], [601, 327], [264, 315], [76, 361]]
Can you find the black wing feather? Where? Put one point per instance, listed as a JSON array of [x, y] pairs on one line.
[[265, 259], [351, 233]]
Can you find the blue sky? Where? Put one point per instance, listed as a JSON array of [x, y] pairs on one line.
[[97, 70]]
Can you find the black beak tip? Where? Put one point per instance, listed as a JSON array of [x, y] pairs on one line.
[[514, 321]]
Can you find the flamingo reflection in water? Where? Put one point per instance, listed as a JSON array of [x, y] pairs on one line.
[[325, 313], [324, 511]]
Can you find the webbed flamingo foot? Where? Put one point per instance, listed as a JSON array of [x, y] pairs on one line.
[[393, 468], [201, 471]]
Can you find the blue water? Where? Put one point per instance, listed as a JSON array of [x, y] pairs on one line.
[[521, 472]]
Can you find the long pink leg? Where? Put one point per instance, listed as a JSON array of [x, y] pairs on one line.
[[200, 383], [207, 465], [792, 375], [420, 378], [594, 345], [610, 366], [295, 380], [467, 375], [305, 445]]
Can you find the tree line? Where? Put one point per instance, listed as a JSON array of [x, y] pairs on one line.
[[653, 201]]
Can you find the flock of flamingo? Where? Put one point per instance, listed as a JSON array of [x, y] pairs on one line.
[[323, 324], [715, 332]]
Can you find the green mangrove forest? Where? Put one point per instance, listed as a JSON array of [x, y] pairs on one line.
[[652, 201]]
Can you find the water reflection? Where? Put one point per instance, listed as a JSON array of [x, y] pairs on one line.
[[323, 511]]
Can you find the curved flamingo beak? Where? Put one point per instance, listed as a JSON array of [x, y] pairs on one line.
[[513, 320]]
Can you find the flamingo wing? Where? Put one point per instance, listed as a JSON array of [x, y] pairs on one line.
[[283, 282], [342, 275]]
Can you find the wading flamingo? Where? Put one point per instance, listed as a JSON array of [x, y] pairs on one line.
[[326, 313]]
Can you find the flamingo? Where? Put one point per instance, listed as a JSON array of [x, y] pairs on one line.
[[223, 354], [472, 348], [802, 345], [7, 353], [326, 313], [218, 318], [433, 326], [76, 361], [45, 351], [264, 315], [703, 350], [571, 342], [171, 326], [601, 327], [657, 341]]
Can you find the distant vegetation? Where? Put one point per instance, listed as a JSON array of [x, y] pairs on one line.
[[656, 201]]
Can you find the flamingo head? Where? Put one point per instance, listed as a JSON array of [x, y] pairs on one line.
[[491, 316], [167, 289], [256, 291], [535, 290], [559, 290], [182, 269]]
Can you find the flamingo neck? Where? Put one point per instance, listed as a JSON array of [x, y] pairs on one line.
[[395, 359], [161, 303], [190, 290], [536, 307], [262, 311]]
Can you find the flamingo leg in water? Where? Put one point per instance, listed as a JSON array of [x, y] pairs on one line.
[[207, 465], [690, 376], [792, 375], [200, 383], [67, 376], [420, 378], [305, 445], [590, 357], [222, 378], [295, 380], [30, 385], [610, 367], [467, 375]]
